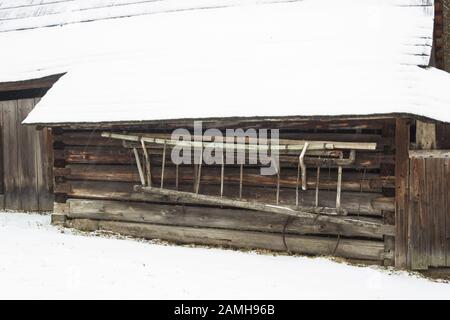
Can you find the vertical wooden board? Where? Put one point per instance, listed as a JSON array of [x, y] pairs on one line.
[[12, 188], [425, 135], [2, 168], [436, 211], [447, 211], [44, 168], [418, 247], [27, 165], [402, 140]]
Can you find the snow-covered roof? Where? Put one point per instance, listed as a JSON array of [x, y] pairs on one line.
[[30, 14], [238, 58]]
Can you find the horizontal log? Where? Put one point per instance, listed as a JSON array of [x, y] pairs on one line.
[[120, 155], [439, 154], [347, 248], [352, 181], [184, 197], [94, 138], [369, 122], [355, 203], [235, 219]]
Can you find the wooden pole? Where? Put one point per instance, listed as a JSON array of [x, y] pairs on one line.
[[138, 163], [147, 163], [317, 186], [163, 167], [339, 188], [199, 172], [241, 178], [222, 175]]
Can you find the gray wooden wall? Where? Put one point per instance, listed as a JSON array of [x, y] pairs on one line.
[[25, 181]]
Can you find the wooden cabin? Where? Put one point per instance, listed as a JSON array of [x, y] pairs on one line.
[[364, 131]]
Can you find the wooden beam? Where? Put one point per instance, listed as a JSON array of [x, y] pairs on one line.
[[45, 82], [370, 204], [236, 219], [439, 154], [352, 181], [347, 248], [402, 141], [202, 199], [425, 135]]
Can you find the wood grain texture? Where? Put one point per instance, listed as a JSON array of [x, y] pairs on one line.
[[235, 219], [357, 249], [402, 140], [25, 187]]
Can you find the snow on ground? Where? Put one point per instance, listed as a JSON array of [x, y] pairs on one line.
[[37, 260]]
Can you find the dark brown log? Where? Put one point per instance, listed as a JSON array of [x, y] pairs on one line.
[[372, 122], [235, 219], [358, 249], [355, 203], [119, 155], [352, 181], [93, 138]]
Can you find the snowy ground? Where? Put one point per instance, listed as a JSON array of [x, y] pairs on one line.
[[39, 261]]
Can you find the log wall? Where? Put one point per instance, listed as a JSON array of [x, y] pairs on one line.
[[94, 179]]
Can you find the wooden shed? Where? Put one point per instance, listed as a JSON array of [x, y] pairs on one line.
[[364, 132]]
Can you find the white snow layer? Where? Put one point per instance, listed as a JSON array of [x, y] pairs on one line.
[[39, 262], [305, 58]]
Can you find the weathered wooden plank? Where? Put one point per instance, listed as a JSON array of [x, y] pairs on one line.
[[435, 173], [357, 249], [402, 140], [429, 153], [44, 168], [356, 203], [220, 218], [447, 210], [120, 155], [2, 161], [26, 159], [418, 253], [45, 82], [425, 135], [352, 181], [92, 138], [443, 135], [11, 164]]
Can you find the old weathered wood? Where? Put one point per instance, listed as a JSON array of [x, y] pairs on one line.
[[25, 173], [356, 203], [284, 145], [402, 140], [28, 171], [442, 136], [119, 155], [429, 154], [358, 249], [425, 135], [436, 186], [212, 175], [235, 219], [418, 217], [45, 82], [93, 138], [11, 157], [447, 211], [201, 199], [44, 168]]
